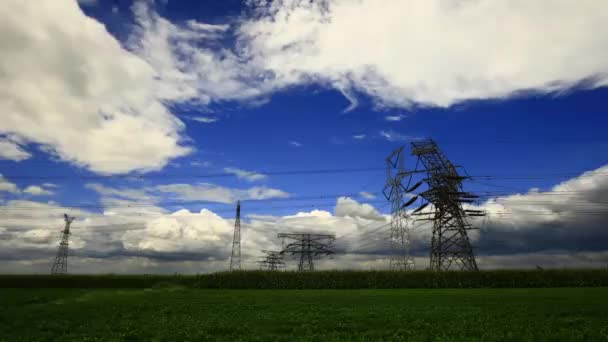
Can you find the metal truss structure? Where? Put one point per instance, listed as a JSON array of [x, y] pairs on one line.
[[235, 257], [450, 245], [309, 246], [60, 265], [273, 261], [396, 192]]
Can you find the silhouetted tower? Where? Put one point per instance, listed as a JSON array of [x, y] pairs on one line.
[[309, 246], [235, 257], [450, 245], [273, 261], [395, 192], [60, 265]]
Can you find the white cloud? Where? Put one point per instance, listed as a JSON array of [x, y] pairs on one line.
[[359, 136], [108, 103], [141, 194], [199, 163], [395, 117], [7, 186], [183, 231], [246, 175], [12, 151], [367, 195], [216, 193], [190, 62], [432, 52], [36, 190], [97, 105], [349, 207], [294, 143], [204, 119], [395, 136]]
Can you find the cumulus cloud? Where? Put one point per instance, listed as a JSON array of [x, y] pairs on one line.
[[183, 232], [36, 190], [246, 175], [102, 99], [569, 217], [431, 52], [367, 195], [7, 186], [349, 207], [11, 150]]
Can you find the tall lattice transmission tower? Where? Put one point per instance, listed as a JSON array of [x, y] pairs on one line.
[[309, 246], [273, 261], [395, 192], [60, 265], [450, 245], [235, 257]]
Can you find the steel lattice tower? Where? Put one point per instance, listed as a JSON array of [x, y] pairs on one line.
[[235, 257], [450, 245], [308, 246], [273, 261], [60, 265], [394, 191]]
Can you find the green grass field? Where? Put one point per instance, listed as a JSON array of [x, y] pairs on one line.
[[175, 314]]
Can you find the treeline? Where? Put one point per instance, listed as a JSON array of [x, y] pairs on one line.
[[322, 280]]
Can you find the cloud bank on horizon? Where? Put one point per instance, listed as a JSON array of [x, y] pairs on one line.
[[399, 53], [521, 230]]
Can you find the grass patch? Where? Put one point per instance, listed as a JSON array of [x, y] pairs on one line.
[[304, 315]]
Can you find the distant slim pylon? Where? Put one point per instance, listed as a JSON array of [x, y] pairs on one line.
[[235, 257], [60, 265], [395, 192]]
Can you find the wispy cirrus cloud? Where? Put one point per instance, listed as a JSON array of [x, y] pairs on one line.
[[391, 135], [204, 119], [251, 176], [398, 117]]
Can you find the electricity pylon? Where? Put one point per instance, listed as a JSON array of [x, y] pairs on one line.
[[235, 257], [60, 265], [308, 246], [273, 261], [395, 192], [450, 245]]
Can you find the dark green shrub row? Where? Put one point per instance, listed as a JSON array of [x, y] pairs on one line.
[[321, 280], [417, 279]]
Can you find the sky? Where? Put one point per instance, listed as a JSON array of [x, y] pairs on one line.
[[147, 121]]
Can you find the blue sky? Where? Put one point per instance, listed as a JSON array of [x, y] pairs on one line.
[[157, 105]]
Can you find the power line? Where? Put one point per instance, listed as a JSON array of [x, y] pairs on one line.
[[288, 173], [194, 202], [210, 175]]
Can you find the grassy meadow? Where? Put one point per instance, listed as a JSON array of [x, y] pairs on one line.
[[182, 314]]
